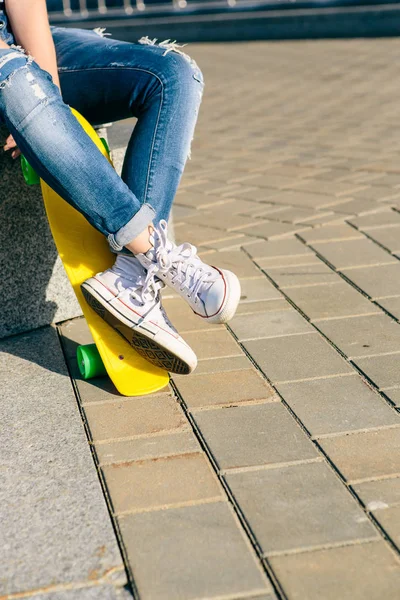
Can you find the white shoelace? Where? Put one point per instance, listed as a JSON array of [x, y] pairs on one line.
[[182, 262], [144, 290]]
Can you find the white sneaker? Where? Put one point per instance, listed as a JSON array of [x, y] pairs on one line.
[[212, 293], [128, 300]]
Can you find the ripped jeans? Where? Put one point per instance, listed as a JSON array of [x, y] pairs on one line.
[[105, 80]]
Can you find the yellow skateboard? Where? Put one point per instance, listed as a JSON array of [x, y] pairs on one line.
[[84, 252]]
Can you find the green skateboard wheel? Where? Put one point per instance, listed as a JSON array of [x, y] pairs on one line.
[[89, 361], [105, 144], [30, 175]]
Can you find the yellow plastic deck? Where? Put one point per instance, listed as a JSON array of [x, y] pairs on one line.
[[84, 252]]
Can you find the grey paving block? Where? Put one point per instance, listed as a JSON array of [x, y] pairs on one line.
[[218, 560], [299, 260], [350, 573], [332, 300], [389, 237], [236, 261], [377, 282], [235, 386], [304, 275], [296, 357], [331, 188], [305, 198], [258, 289], [394, 395], [133, 416], [363, 336], [212, 344], [298, 507], [160, 482], [337, 404], [392, 305], [245, 436], [271, 229], [277, 248], [50, 495], [331, 233], [270, 324], [379, 494], [221, 365], [262, 306], [382, 370], [181, 442], [365, 455], [389, 519], [384, 218], [353, 253]]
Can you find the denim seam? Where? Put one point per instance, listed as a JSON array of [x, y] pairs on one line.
[[159, 110]]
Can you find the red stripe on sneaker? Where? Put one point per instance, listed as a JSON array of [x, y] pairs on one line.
[[134, 311], [223, 299]]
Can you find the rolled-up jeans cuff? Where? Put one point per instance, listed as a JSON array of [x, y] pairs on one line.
[[133, 228]]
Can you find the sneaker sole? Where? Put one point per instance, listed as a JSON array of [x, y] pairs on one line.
[[145, 346]]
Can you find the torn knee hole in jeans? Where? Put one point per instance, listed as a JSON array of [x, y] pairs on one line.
[[10, 64], [169, 46]]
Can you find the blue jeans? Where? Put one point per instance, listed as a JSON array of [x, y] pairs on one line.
[[105, 80]]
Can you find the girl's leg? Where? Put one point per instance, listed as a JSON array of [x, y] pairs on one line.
[[61, 152], [107, 80]]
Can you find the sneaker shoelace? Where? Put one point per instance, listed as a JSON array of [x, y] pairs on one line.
[[144, 290], [182, 262]]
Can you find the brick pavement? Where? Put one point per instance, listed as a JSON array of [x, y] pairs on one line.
[[274, 470]]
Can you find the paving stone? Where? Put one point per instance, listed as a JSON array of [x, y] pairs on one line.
[[155, 446], [196, 199], [262, 306], [388, 237], [355, 206], [221, 218], [383, 218], [336, 405], [221, 365], [197, 234], [377, 282], [379, 494], [394, 395], [331, 188], [271, 229], [363, 336], [231, 242], [236, 261], [365, 455], [74, 333], [212, 344], [268, 325], [50, 495], [133, 416], [298, 507], [331, 233], [160, 482], [389, 519], [245, 436], [220, 562], [278, 248], [384, 370], [287, 261], [213, 389], [298, 276], [258, 289], [392, 305], [352, 253], [350, 573], [331, 300], [296, 357], [304, 198]]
